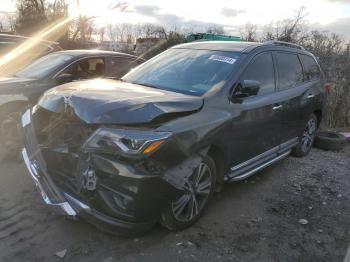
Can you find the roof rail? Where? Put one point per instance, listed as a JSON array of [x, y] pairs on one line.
[[282, 43]]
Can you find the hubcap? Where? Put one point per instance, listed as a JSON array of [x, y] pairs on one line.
[[196, 193], [308, 135], [11, 134]]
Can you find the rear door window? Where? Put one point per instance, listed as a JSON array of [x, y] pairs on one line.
[[290, 72], [87, 68], [261, 69], [119, 66], [311, 69]]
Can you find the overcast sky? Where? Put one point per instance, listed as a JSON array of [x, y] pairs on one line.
[[332, 15]]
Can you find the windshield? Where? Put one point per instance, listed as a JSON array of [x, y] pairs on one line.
[[186, 71], [43, 66]]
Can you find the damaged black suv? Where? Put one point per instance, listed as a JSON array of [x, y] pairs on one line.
[[156, 145]]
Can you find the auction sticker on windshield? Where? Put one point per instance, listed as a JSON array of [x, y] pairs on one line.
[[224, 59]]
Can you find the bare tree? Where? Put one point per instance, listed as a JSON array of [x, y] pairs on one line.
[[101, 32], [289, 30], [111, 32], [11, 18], [215, 29], [36, 14], [31, 14], [84, 27], [149, 30], [249, 32]]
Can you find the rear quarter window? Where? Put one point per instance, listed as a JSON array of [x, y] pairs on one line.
[[311, 70], [290, 72]]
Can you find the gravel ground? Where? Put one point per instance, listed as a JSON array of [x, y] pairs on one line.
[[259, 219]]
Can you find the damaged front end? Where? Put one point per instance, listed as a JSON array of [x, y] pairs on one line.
[[118, 179]]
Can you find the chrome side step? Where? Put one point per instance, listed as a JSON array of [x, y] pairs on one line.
[[253, 160], [258, 168], [251, 166]]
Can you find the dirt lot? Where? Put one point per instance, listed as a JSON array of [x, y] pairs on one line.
[[253, 220]]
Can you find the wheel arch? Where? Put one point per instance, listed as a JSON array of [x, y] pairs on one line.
[[217, 153], [318, 114]]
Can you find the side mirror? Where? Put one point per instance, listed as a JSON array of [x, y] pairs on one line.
[[247, 88], [64, 78]]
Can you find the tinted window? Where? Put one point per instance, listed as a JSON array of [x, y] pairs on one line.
[[186, 71], [290, 72], [44, 66], [261, 69], [87, 68], [119, 66], [311, 69]]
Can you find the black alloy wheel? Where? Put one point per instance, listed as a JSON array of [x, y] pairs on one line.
[[189, 206], [308, 135], [307, 138]]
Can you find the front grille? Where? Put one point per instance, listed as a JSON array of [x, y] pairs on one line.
[[61, 129], [59, 138]]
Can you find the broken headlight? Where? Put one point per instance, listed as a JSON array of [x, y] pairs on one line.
[[127, 141]]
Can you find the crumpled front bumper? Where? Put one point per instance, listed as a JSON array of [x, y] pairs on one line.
[[71, 206], [59, 203], [64, 202]]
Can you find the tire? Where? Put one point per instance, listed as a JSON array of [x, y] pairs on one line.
[[177, 215], [307, 138], [330, 141]]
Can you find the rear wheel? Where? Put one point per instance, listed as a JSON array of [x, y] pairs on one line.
[[189, 206], [307, 138]]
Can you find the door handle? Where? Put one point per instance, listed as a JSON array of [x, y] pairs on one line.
[[277, 107], [309, 96]]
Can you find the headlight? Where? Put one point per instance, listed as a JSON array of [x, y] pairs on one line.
[[111, 140]]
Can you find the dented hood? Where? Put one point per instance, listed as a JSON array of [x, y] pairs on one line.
[[115, 102]]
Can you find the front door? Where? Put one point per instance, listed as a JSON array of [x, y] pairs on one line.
[[256, 118]]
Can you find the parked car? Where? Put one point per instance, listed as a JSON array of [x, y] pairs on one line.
[[156, 145], [9, 42], [23, 89], [14, 43]]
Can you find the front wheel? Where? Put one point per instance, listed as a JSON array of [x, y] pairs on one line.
[[189, 206], [307, 138]]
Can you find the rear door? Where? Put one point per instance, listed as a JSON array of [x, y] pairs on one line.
[[314, 96], [290, 89], [296, 93], [257, 127]]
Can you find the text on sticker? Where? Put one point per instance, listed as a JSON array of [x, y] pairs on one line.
[[224, 59]]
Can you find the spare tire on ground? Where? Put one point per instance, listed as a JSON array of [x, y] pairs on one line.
[[330, 140]]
